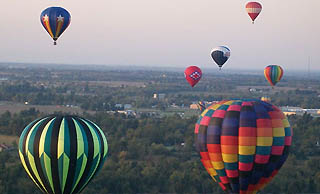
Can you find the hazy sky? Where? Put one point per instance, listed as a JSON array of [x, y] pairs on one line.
[[164, 32]]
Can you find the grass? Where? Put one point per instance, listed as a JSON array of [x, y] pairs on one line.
[[8, 140]]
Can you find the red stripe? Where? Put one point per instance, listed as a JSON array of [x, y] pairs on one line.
[[287, 141], [234, 108], [205, 120], [264, 123], [247, 132], [232, 173], [261, 159], [219, 113], [277, 150], [204, 155], [245, 166], [196, 129], [214, 148], [229, 140]]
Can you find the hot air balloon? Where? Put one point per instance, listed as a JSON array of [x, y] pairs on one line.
[[265, 99], [273, 74], [220, 55], [201, 105], [193, 75], [253, 9], [55, 20], [242, 143], [61, 154]]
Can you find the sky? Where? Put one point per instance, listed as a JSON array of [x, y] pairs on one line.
[[168, 33]]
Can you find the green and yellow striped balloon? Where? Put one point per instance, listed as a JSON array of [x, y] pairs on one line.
[[62, 154]]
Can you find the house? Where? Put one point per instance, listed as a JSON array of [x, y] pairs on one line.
[[194, 106], [159, 96], [118, 105], [127, 106]]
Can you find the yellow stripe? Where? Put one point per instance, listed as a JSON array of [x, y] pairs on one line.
[[46, 23], [47, 163], [212, 172], [285, 123], [230, 157], [59, 28], [214, 179], [43, 137], [264, 141], [218, 165], [34, 169], [228, 102], [26, 168], [247, 150], [278, 132], [61, 138]]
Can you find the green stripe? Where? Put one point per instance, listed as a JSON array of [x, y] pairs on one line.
[[45, 156], [29, 148], [63, 153], [105, 142], [23, 134], [81, 157]]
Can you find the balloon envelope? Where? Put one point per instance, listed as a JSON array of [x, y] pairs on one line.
[[242, 143], [265, 99], [55, 21], [253, 10], [193, 75], [220, 55], [62, 154], [273, 74]]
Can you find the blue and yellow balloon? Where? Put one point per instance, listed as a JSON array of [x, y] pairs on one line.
[[55, 20]]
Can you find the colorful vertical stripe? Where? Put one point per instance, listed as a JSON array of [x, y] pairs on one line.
[[273, 74], [242, 143], [62, 154]]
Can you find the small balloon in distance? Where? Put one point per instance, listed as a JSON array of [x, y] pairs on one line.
[[193, 75], [55, 21], [253, 9], [273, 74], [220, 55]]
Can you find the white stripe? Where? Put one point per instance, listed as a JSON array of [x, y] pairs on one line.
[[254, 10]]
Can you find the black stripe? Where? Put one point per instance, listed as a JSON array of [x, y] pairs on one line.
[[245, 174], [101, 161], [54, 154], [90, 156], [37, 157], [73, 155], [26, 158]]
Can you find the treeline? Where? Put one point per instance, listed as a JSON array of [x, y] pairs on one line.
[[157, 156]]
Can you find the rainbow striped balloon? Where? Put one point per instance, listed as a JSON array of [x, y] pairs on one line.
[[273, 74], [243, 143]]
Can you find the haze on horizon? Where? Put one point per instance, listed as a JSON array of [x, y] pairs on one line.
[[174, 33]]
